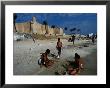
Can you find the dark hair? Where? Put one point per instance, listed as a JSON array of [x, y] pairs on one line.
[[47, 51], [77, 56], [58, 38]]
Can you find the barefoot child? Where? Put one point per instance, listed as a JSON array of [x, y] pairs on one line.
[[59, 46], [77, 66], [44, 59]]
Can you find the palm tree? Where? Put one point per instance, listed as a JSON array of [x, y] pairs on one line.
[[46, 28], [53, 26], [73, 29], [15, 16], [65, 28]]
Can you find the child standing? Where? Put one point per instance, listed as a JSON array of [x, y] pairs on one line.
[[59, 46]]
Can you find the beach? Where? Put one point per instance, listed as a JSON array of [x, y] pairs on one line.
[[26, 54]]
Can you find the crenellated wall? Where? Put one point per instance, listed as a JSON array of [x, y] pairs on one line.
[[23, 27], [37, 28]]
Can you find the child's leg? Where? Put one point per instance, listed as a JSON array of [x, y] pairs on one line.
[[46, 64], [59, 51], [73, 72]]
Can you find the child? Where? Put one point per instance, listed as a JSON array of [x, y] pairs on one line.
[[44, 59], [59, 46], [77, 66]]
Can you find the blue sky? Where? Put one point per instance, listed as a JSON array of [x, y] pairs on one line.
[[86, 22]]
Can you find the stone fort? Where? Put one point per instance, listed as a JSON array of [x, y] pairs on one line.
[[37, 28]]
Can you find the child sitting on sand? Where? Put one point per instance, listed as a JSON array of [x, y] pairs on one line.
[[77, 66], [44, 59]]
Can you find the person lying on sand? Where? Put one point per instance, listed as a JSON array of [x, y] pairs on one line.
[[76, 67], [44, 59]]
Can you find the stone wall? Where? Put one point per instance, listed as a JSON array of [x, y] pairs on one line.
[[61, 31], [37, 28], [23, 27], [51, 31]]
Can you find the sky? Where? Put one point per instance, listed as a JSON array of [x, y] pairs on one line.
[[86, 22]]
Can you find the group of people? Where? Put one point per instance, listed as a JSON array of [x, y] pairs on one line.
[[71, 69], [72, 39]]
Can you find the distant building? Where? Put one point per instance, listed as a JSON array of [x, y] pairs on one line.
[[37, 28], [83, 36]]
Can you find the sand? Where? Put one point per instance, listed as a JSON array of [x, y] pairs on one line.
[[27, 53]]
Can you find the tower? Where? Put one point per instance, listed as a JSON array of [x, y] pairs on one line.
[[33, 25]]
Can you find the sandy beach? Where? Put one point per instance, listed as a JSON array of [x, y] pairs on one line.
[[26, 55]]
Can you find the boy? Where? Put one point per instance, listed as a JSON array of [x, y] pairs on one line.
[[44, 59], [59, 46], [77, 65]]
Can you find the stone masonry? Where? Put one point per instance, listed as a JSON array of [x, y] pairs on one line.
[[37, 28]]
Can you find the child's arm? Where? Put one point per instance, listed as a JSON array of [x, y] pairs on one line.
[[57, 45], [61, 44]]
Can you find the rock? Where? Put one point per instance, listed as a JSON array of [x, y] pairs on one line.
[[86, 46]]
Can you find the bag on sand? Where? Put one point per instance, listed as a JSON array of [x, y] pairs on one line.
[[39, 61]]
